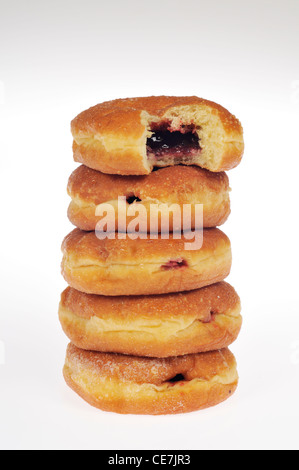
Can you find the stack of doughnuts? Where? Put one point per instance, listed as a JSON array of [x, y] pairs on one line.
[[149, 320]]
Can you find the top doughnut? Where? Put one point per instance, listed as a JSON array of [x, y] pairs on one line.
[[133, 136]]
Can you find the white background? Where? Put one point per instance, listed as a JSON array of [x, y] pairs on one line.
[[58, 58]]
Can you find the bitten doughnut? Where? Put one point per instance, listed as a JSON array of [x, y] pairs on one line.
[[167, 187], [135, 385], [156, 326], [143, 266], [132, 136]]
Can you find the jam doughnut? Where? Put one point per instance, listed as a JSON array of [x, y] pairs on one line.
[[173, 185], [152, 386], [133, 136], [155, 326], [115, 267]]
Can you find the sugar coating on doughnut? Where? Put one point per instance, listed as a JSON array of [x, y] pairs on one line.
[[127, 384], [178, 185], [136, 267], [154, 326], [132, 136]]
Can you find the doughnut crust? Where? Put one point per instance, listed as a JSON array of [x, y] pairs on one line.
[[134, 385], [143, 266], [121, 136], [156, 326], [177, 185]]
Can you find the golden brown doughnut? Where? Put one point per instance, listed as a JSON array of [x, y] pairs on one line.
[[132, 136], [135, 385], [156, 326], [173, 185], [143, 266]]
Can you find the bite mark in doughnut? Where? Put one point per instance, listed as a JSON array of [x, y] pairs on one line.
[[133, 136]]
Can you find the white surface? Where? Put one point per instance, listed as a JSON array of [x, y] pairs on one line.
[[58, 58]]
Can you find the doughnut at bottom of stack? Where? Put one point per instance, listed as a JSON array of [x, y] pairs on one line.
[[135, 385]]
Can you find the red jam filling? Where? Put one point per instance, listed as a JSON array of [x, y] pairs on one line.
[[175, 264], [168, 142], [176, 379], [210, 318], [131, 199]]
